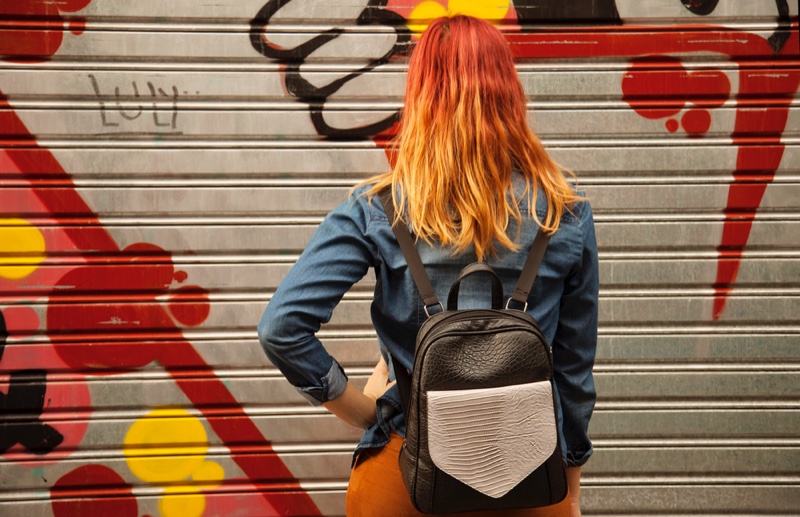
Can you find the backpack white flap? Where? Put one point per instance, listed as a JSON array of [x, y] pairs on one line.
[[492, 438]]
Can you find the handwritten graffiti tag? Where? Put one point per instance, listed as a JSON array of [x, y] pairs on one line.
[[163, 105]]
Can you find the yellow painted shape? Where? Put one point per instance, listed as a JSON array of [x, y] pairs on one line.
[[425, 12], [486, 9], [209, 475], [22, 245], [167, 445], [178, 503]]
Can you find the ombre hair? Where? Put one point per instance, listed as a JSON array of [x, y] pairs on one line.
[[463, 130]]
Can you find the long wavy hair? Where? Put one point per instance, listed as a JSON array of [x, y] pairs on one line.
[[463, 130]]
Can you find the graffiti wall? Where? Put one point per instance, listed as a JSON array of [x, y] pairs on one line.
[[162, 164]]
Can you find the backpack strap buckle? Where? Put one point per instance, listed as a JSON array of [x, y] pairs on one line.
[[508, 306], [428, 314]]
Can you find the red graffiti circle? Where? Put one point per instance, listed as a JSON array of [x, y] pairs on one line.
[[696, 121], [189, 305], [68, 499]]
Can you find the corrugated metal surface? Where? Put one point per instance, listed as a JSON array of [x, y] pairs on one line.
[[163, 163]]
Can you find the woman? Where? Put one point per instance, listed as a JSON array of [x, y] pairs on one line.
[[473, 183]]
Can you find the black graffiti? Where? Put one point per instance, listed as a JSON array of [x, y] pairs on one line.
[[530, 13], [25, 400], [21, 407], [375, 13], [700, 7], [778, 40], [572, 12], [162, 118]]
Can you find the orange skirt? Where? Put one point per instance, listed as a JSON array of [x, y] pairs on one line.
[[377, 490]]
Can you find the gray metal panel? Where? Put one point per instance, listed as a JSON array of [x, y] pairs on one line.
[[665, 271], [185, 202], [244, 162], [679, 463], [714, 500], [243, 86], [550, 124], [266, 389], [280, 235]]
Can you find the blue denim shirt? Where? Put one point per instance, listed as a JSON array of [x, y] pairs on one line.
[[357, 235]]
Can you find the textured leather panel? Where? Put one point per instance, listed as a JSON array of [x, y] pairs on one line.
[[483, 354], [493, 438]]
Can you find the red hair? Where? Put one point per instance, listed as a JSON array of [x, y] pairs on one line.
[[463, 130]]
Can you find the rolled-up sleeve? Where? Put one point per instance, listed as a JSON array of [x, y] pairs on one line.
[[575, 345], [338, 255]]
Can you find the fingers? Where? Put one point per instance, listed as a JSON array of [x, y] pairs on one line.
[[378, 381]]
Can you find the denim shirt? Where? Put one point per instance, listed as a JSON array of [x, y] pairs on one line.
[[357, 235]]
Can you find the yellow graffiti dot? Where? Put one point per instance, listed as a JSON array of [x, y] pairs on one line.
[[486, 9], [182, 504], [167, 445], [209, 474], [21, 248], [423, 14]]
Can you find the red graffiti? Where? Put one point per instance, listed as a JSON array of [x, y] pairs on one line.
[[20, 320], [187, 305], [696, 121], [126, 285], [34, 29], [76, 493], [145, 274], [756, 164], [663, 93], [767, 83], [657, 86], [673, 87]]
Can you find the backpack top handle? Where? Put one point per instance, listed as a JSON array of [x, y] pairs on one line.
[[476, 267]]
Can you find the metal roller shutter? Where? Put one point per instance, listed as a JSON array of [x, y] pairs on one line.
[[162, 164]]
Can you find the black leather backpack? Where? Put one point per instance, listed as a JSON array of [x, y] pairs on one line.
[[479, 403]]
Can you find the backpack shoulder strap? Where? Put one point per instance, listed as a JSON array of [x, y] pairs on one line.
[[421, 280], [409, 252], [529, 270]]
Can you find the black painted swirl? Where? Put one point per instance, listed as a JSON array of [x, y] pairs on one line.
[[374, 13], [25, 401]]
